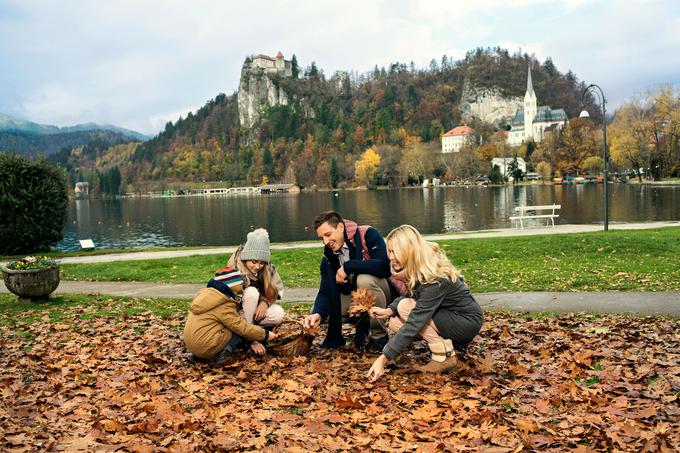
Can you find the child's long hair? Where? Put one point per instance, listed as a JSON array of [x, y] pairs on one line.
[[423, 261], [271, 292]]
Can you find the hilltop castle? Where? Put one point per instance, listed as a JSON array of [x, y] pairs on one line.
[[258, 87], [531, 122], [277, 65]]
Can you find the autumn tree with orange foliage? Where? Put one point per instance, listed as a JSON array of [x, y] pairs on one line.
[[577, 143], [631, 137]]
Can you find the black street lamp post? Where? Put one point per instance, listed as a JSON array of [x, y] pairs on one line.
[[584, 114]]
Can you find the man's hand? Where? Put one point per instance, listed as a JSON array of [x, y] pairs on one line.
[[341, 276], [379, 313], [260, 311], [313, 320], [378, 368]]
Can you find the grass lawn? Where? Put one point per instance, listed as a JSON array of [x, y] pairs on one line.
[[83, 373], [644, 260]]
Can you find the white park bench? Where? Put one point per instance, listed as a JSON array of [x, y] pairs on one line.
[[537, 212]]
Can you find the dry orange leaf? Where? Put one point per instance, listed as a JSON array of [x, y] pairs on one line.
[[362, 301], [347, 402]]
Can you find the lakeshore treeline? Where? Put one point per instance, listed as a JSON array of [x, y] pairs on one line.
[[383, 128]]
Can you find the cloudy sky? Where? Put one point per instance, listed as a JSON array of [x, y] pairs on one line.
[[141, 63]]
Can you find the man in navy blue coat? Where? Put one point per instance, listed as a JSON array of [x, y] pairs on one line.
[[353, 257]]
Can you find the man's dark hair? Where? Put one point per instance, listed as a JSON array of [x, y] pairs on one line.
[[333, 218]]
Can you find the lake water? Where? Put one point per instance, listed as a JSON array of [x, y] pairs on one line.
[[225, 220]]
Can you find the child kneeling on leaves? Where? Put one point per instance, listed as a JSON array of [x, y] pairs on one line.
[[214, 327], [262, 285]]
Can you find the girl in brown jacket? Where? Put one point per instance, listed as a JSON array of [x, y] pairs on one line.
[[214, 326]]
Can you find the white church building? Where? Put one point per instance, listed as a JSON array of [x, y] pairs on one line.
[[532, 122]]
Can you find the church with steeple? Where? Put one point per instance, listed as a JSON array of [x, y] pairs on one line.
[[531, 122]]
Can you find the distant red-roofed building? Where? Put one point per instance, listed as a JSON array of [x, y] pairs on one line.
[[273, 64], [454, 139]]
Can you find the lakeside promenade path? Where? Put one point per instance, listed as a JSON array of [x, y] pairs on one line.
[[648, 303]]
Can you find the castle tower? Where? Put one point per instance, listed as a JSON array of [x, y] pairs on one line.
[[530, 107], [280, 63]]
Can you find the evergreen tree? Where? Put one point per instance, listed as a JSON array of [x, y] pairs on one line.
[[334, 176], [267, 161], [294, 66], [312, 72], [33, 203], [495, 176], [514, 171], [115, 181]]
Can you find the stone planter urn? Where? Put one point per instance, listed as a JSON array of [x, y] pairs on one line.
[[32, 284]]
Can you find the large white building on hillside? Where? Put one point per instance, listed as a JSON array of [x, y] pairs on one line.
[[454, 139], [532, 122]]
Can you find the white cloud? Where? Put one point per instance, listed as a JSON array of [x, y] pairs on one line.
[[158, 122], [530, 48]]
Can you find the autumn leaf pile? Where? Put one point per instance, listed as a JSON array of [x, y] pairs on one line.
[[582, 383], [362, 301]]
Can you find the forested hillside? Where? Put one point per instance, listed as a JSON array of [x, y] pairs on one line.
[[30, 144], [331, 121]]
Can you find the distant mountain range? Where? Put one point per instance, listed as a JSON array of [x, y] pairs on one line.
[[33, 139], [10, 123]]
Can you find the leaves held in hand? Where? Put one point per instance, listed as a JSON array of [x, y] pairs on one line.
[[362, 301], [313, 331]]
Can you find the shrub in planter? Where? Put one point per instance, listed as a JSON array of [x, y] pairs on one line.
[[32, 277], [33, 204]]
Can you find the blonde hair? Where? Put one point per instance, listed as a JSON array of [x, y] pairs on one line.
[[271, 292], [423, 261]]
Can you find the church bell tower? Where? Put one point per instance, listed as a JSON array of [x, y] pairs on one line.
[[530, 108]]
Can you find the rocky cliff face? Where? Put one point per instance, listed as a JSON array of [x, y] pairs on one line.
[[488, 104], [257, 90]]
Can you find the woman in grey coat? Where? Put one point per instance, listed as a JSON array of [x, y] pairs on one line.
[[441, 309]]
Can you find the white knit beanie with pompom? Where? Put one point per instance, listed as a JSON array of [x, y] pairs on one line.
[[257, 246]]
